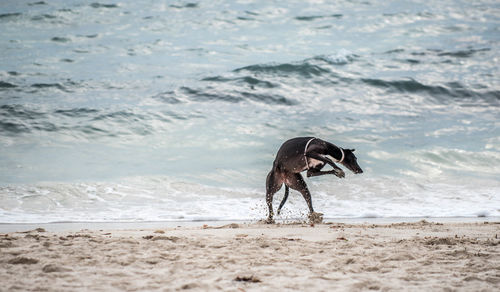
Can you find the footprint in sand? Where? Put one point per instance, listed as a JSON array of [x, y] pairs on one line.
[[22, 261], [51, 268]]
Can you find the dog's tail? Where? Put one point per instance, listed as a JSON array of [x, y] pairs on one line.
[[284, 200]]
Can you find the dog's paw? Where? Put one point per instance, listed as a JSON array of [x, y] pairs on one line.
[[315, 217], [339, 173], [268, 221]]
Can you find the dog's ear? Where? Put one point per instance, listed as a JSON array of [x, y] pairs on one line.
[[352, 150]]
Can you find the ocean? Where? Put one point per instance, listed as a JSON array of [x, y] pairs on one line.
[[137, 111]]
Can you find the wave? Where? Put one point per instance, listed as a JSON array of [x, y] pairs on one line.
[[237, 96], [482, 162], [463, 53], [7, 128], [134, 199], [322, 70], [274, 84], [102, 5], [21, 112], [315, 17], [468, 53], [268, 83], [37, 3], [303, 69], [450, 89], [436, 161], [159, 198], [8, 16], [234, 95], [202, 95], [17, 119], [76, 113], [91, 123], [61, 39], [67, 86], [4, 84], [87, 122], [187, 5], [167, 97], [344, 57], [100, 123], [43, 17], [11, 128], [261, 83], [245, 80], [50, 85], [307, 68]]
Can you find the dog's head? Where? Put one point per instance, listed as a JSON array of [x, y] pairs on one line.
[[350, 161]]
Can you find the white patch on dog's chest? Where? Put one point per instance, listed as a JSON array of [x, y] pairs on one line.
[[312, 163]]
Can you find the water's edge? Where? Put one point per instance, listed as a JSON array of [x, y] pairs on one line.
[[77, 226]]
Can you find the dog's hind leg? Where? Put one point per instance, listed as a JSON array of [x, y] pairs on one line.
[[297, 183], [284, 200], [273, 184]]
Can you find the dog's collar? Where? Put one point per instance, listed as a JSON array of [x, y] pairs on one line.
[[305, 152], [307, 145], [343, 156]]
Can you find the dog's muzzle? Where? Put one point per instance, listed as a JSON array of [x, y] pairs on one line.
[[358, 171]]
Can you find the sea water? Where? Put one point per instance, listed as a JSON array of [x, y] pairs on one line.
[[174, 110]]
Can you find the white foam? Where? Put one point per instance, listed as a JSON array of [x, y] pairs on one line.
[[165, 199]]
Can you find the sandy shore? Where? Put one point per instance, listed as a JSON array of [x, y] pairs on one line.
[[421, 256]]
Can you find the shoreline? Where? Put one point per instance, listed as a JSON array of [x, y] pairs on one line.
[[76, 226], [409, 256]]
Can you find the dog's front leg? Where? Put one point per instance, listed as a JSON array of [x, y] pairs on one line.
[[314, 172], [336, 170]]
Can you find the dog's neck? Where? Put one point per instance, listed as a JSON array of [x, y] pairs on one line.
[[335, 152]]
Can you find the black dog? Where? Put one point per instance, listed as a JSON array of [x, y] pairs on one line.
[[305, 153]]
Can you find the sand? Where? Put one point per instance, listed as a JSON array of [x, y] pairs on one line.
[[421, 256]]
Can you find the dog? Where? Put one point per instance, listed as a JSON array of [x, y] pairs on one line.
[[305, 153]]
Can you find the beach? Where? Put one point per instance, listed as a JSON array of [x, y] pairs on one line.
[[408, 256], [136, 138]]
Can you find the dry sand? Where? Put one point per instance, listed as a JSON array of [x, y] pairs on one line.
[[418, 256]]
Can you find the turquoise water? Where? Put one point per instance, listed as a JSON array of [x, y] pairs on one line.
[[130, 111]]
